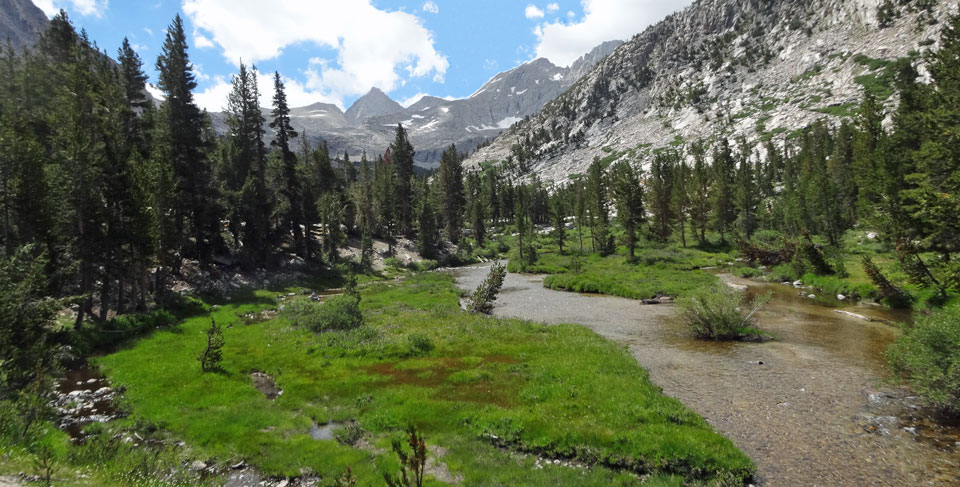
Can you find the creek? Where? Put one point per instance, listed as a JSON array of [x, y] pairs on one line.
[[811, 407]]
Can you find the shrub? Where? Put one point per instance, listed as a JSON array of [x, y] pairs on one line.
[[721, 313], [212, 355], [486, 293], [336, 313], [419, 344], [928, 357]]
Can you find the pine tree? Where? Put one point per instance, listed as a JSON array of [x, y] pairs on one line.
[[427, 238], [491, 197], [746, 193], [402, 162], [558, 213], [700, 197], [289, 183], [681, 197], [477, 213], [191, 207], [597, 208], [660, 183], [935, 191], [385, 197], [452, 198], [521, 219], [628, 196], [724, 211], [243, 170]]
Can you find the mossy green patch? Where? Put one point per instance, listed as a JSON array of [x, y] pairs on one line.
[[487, 387]]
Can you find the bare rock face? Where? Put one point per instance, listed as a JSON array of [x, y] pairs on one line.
[[756, 68], [374, 104], [21, 22]]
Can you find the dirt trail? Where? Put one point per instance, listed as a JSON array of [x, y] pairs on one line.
[[809, 407]]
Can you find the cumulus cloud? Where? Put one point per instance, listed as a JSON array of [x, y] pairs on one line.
[[373, 47], [603, 20], [532, 12], [86, 8], [406, 103], [431, 7], [213, 98], [201, 41], [553, 7]]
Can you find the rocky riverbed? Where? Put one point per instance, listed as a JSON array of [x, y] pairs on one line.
[[810, 407]]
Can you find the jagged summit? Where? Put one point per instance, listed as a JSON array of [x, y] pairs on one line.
[[21, 22], [434, 123], [374, 104]]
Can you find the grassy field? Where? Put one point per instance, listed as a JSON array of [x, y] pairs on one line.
[[489, 394], [659, 269], [669, 269]]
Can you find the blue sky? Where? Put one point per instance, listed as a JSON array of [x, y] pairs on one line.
[[335, 50]]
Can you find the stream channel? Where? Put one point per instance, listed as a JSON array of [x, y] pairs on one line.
[[812, 407]]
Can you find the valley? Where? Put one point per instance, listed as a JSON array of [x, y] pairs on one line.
[[720, 252]]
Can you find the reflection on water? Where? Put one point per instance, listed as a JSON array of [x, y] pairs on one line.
[[810, 407]]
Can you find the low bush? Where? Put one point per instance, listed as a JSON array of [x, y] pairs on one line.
[[721, 313], [928, 357], [482, 299], [419, 344], [336, 313]]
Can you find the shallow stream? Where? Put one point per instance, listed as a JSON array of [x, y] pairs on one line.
[[810, 407]]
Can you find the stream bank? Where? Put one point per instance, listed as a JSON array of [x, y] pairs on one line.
[[810, 407]]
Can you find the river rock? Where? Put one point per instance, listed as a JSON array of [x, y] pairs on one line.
[[811, 296], [797, 283], [739, 287], [841, 297]]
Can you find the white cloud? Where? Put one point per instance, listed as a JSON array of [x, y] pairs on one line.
[[406, 103], [86, 8], [603, 20], [431, 7], [201, 41], [374, 47], [148, 30], [47, 6], [553, 7], [213, 98], [532, 12]]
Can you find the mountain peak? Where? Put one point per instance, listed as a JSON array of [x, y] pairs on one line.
[[21, 22], [374, 104]]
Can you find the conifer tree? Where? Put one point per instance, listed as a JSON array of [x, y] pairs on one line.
[[558, 214], [628, 197], [746, 193], [681, 197], [477, 213], [452, 198], [184, 151], [427, 238], [700, 197], [724, 211], [402, 162], [290, 187], [660, 183], [597, 208], [491, 197]]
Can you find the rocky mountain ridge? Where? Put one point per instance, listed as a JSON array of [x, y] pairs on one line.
[[435, 123], [21, 22], [754, 68]]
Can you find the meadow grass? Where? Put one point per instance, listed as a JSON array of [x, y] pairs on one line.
[[658, 269], [485, 390]]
